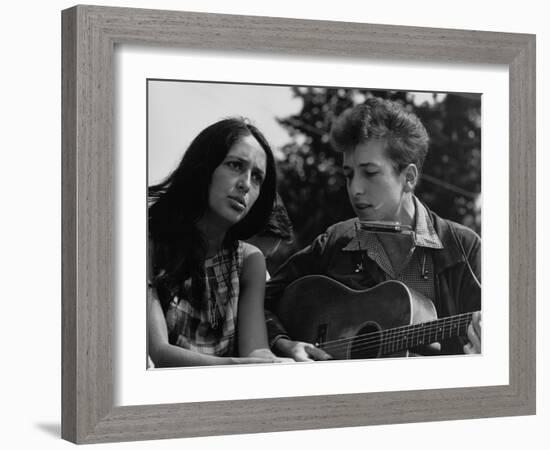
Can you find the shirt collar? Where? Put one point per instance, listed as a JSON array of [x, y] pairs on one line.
[[424, 233]]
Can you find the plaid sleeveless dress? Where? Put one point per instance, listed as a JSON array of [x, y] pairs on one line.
[[212, 328]]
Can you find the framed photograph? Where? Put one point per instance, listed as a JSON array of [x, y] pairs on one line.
[[128, 73]]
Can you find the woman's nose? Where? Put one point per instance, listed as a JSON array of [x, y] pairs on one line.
[[244, 182]]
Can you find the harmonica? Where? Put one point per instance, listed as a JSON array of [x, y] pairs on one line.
[[384, 227]]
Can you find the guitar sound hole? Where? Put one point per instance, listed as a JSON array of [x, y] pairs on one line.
[[364, 347]]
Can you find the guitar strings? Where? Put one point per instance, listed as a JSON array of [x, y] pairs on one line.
[[395, 336], [395, 346], [372, 343], [418, 326], [391, 344], [390, 337], [384, 345]]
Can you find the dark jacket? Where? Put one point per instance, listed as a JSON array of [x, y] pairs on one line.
[[455, 287]]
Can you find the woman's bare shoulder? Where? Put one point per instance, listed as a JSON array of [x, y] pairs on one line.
[[253, 262], [249, 250]]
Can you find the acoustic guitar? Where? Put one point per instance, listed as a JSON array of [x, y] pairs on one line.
[[386, 320]]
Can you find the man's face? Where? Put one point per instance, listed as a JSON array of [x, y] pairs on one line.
[[375, 189]]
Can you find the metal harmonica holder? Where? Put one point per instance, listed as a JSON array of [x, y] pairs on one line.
[[381, 227], [387, 227]]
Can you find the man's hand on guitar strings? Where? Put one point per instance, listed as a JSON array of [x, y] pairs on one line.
[[432, 349], [301, 351], [474, 335]]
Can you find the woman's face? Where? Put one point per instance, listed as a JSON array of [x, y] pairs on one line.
[[375, 190], [236, 182]]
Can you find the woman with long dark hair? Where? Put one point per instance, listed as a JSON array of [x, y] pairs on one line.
[[206, 286]]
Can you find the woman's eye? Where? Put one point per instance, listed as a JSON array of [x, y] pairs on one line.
[[370, 174], [234, 164], [259, 179]]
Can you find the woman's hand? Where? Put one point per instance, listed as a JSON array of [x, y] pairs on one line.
[[300, 351], [263, 355], [251, 360]]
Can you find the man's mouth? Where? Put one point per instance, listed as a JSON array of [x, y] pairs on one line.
[[362, 205]]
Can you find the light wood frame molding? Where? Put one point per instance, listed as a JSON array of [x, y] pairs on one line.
[[90, 34]]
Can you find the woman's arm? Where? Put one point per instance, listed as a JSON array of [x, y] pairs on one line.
[[165, 354], [251, 320], [159, 349]]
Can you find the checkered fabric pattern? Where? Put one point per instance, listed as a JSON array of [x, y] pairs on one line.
[[417, 271], [212, 328]]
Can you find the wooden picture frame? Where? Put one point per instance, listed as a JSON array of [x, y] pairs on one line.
[[90, 34]]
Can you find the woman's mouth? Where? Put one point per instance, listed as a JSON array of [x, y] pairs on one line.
[[237, 203]]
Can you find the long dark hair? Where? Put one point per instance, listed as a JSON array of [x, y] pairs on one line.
[[178, 202]]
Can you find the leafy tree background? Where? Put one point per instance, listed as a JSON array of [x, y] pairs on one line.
[[311, 183]]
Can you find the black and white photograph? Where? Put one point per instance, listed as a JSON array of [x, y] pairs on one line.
[[275, 225], [311, 223]]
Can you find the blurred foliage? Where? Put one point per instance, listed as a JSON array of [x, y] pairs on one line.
[[311, 183]]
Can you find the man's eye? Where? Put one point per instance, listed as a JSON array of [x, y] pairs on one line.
[[370, 174]]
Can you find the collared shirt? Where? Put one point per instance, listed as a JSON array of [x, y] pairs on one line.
[[417, 271], [456, 290]]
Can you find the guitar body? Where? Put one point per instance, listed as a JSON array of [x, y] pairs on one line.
[[348, 323]]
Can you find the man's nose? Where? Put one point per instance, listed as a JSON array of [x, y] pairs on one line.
[[355, 187]]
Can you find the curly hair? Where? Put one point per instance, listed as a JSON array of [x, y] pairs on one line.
[[406, 138]]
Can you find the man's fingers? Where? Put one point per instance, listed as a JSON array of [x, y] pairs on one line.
[[468, 349], [302, 357], [476, 321], [303, 351], [475, 342], [431, 349], [317, 354]]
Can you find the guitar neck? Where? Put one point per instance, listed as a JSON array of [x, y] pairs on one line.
[[403, 338]]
